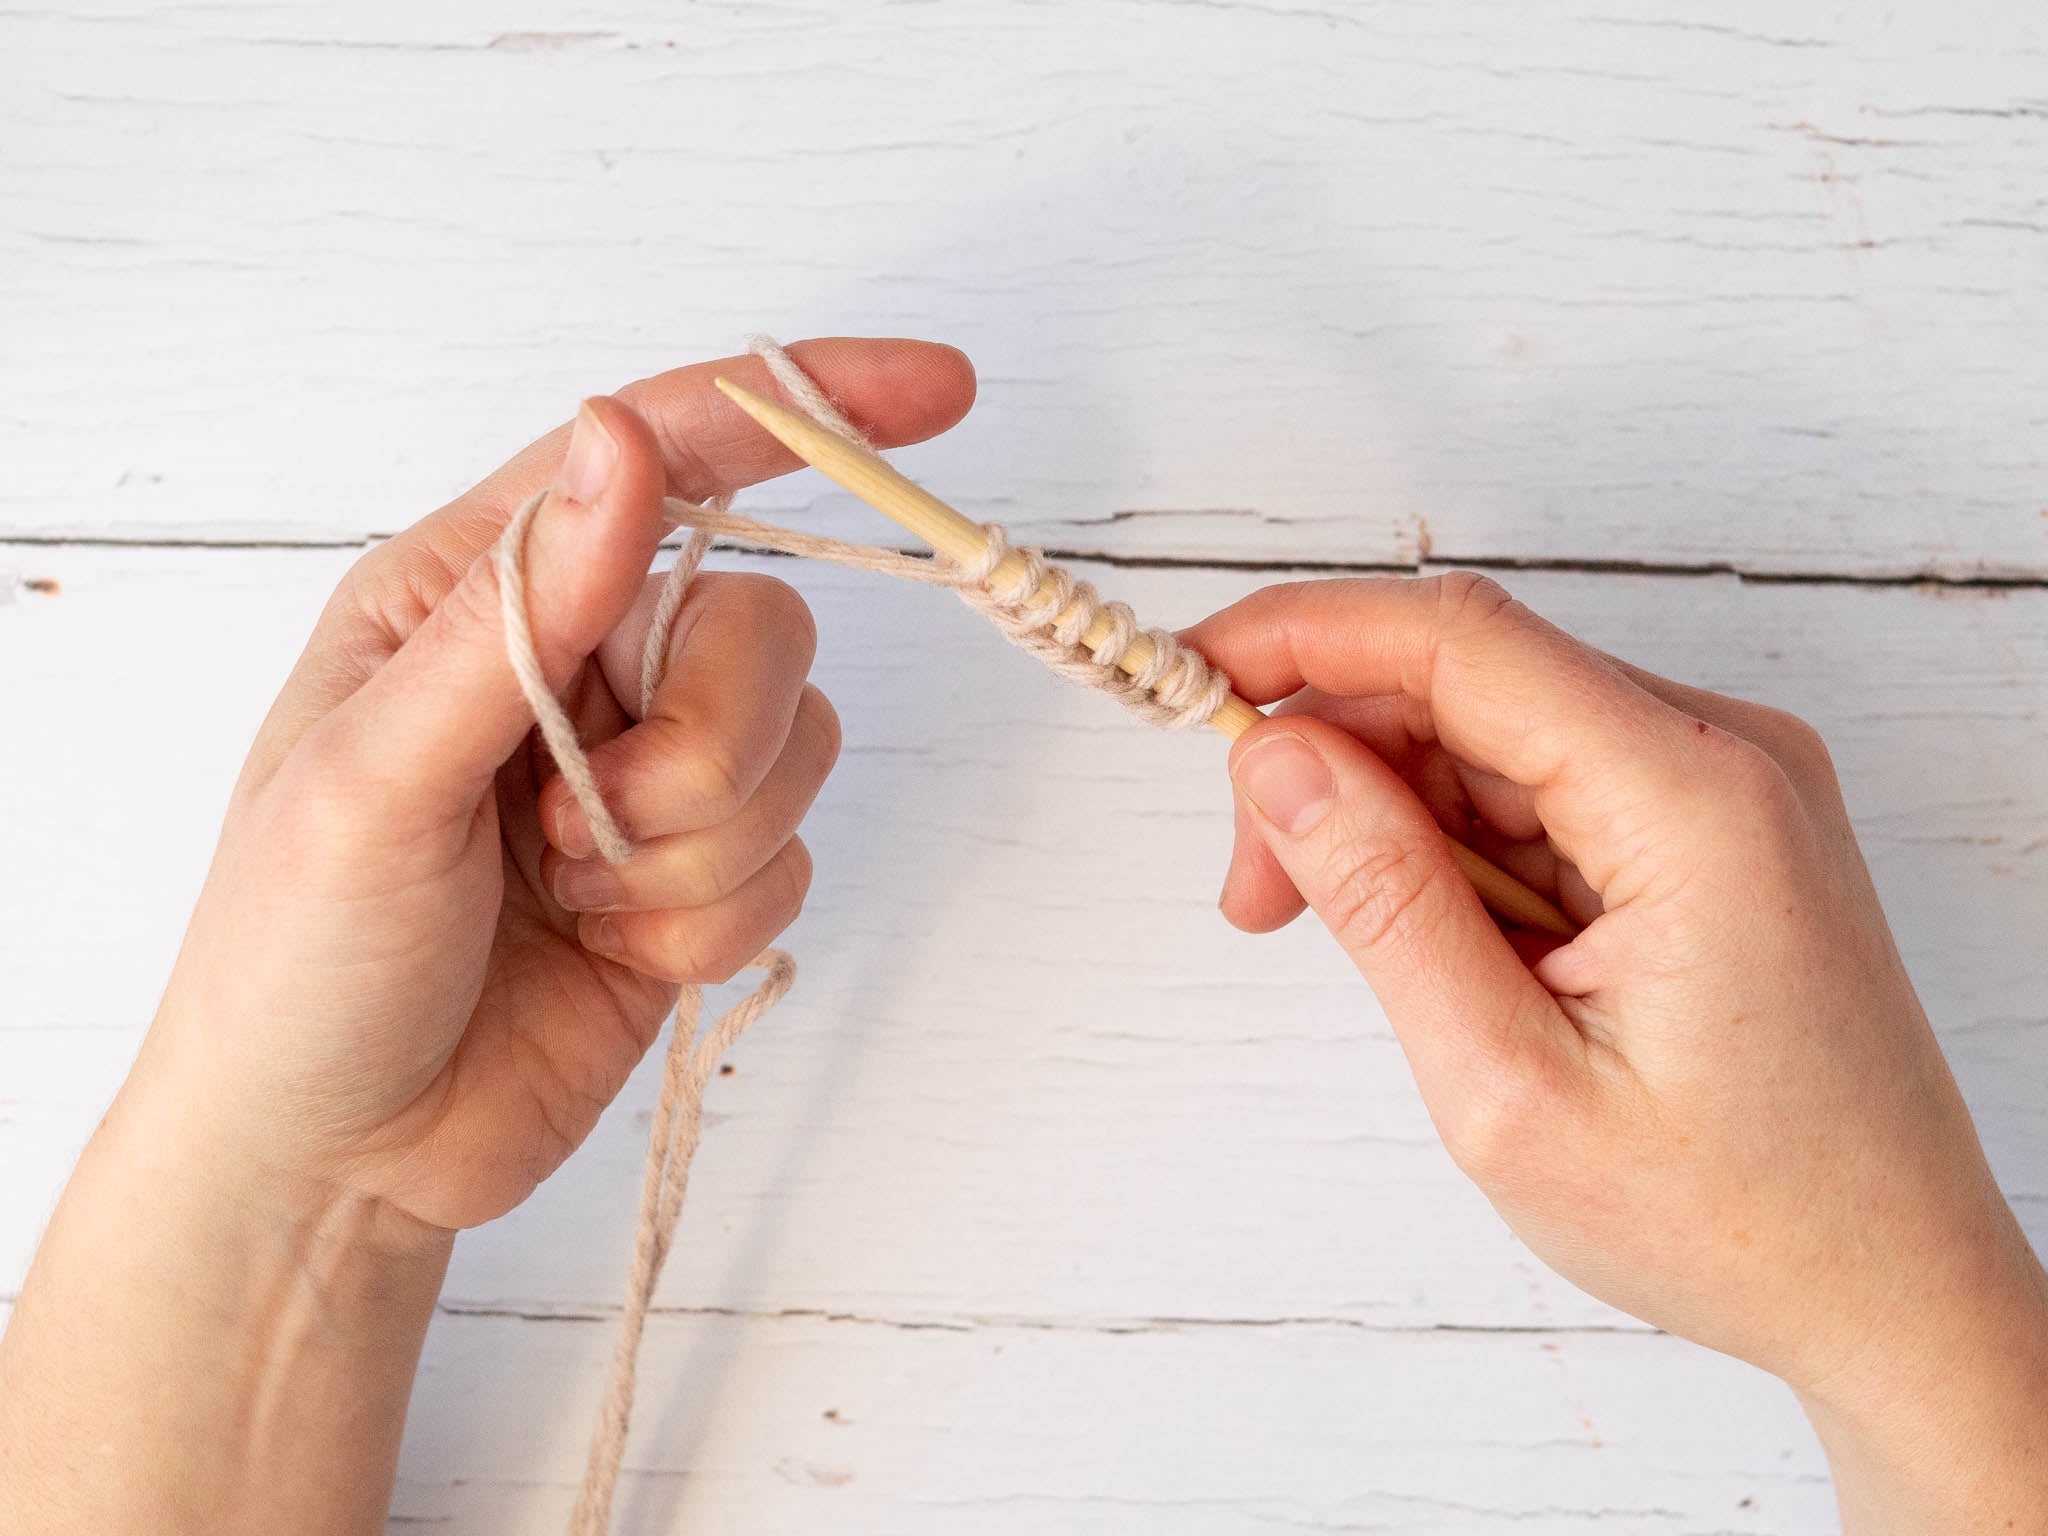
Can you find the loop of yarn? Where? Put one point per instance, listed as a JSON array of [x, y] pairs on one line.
[[1043, 609], [1176, 690], [508, 558], [1048, 611]]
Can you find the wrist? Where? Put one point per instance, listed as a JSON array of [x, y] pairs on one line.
[[209, 1164], [1938, 1425], [191, 1293], [283, 1260]]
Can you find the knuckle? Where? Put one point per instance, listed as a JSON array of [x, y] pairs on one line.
[[720, 790], [821, 722], [383, 589], [1495, 1125], [1752, 771], [688, 777], [474, 601], [778, 608], [1375, 891], [1289, 594], [1796, 743], [320, 804], [1756, 779], [697, 874], [689, 948], [1466, 600], [688, 470], [709, 771], [796, 870], [394, 586], [684, 952]]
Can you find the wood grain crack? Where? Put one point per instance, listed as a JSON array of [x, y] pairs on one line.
[[1960, 581], [1114, 1327]]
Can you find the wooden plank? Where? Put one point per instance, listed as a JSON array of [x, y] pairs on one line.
[[1206, 1126], [808, 1427], [1279, 281]]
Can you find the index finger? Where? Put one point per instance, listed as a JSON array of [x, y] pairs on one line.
[[895, 391], [1611, 765]]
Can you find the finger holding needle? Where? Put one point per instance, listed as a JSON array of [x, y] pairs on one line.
[[958, 537]]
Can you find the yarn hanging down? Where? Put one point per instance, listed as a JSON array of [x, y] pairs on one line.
[[1045, 610]]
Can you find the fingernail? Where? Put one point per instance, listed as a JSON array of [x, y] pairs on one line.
[[572, 832], [588, 885], [601, 936], [588, 464], [1288, 781]]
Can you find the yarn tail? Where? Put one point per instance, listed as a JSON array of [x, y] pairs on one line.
[[686, 1072]]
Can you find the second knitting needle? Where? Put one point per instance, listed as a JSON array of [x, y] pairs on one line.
[[958, 537]]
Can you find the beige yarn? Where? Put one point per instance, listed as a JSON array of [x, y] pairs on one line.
[[1176, 690], [691, 1061]]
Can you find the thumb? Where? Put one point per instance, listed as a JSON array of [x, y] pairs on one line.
[[1371, 861], [436, 722]]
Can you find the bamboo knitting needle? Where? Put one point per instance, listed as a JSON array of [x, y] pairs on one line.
[[958, 537]]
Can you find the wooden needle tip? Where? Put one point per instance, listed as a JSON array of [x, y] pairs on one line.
[[739, 394], [799, 434]]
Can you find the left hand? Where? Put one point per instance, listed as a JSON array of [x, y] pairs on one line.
[[408, 977], [408, 990]]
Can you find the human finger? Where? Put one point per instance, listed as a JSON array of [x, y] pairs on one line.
[[1257, 896], [430, 727], [1615, 771], [895, 391], [696, 868], [737, 656], [706, 944], [1478, 808], [1478, 1029]]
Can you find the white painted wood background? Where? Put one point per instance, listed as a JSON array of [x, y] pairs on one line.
[[1728, 319]]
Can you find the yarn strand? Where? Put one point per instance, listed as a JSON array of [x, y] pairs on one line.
[[691, 1061], [1175, 690], [671, 1146]]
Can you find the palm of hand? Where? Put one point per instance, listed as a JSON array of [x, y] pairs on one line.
[[446, 1040], [549, 1038]]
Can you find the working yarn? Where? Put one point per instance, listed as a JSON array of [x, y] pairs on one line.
[[691, 1061], [1177, 690], [1043, 609]]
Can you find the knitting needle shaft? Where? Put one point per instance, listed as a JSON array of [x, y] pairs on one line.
[[953, 534], [958, 537]]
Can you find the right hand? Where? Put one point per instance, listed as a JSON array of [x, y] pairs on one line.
[[1720, 1107]]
